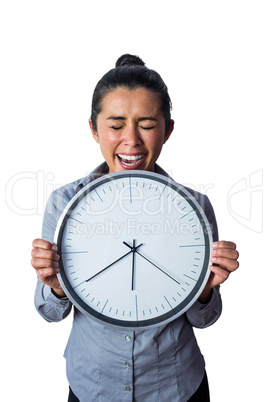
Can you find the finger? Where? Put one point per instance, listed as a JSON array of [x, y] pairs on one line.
[[45, 254], [224, 244], [225, 252], [38, 263], [44, 244], [46, 273], [226, 263], [221, 274]]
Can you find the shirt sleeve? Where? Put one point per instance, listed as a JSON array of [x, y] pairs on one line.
[[51, 308], [203, 315]]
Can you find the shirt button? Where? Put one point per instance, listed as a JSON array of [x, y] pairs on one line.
[[127, 388], [128, 338], [127, 364]]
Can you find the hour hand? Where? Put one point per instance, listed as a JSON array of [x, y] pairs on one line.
[[108, 266], [160, 269], [133, 248]]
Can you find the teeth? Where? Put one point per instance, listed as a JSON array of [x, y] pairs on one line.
[[130, 157]]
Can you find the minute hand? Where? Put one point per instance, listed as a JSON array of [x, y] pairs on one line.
[[160, 269], [108, 266]]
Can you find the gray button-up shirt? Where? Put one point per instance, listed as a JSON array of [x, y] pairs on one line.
[[107, 364]]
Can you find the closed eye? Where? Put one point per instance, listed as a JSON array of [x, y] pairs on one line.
[[116, 127], [143, 128], [148, 128]]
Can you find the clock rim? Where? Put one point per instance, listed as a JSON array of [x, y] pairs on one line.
[[165, 318]]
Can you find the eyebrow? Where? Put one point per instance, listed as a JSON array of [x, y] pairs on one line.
[[139, 119]]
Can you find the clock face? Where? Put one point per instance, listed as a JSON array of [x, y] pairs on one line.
[[134, 248]]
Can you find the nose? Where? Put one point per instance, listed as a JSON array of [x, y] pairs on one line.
[[132, 136]]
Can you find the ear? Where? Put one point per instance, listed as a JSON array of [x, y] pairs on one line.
[[168, 134], [93, 132]]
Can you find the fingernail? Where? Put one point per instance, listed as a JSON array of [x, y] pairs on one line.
[[55, 247], [213, 259], [214, 245]]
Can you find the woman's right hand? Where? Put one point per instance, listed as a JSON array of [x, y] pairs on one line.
[[45, 262]]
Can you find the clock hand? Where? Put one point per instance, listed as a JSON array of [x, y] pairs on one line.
[[133, 264], [108, 266], [160, 269], [133, 250]]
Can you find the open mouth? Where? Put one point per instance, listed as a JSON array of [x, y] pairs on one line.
[[130, 161]]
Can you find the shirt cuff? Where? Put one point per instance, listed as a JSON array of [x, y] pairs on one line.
[[203, 315], [49, 296]]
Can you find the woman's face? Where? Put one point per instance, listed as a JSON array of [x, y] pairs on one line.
[[131, 129]]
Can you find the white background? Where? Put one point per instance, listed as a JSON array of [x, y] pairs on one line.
[[213, 57]]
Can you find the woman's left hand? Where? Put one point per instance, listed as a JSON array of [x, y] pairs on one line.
[[224, 259]]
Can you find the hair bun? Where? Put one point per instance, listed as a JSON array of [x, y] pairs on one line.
[[129, 60]]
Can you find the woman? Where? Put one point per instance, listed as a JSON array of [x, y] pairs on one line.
[[130, 121]]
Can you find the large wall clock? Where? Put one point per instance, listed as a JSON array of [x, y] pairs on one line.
[[135, 249]]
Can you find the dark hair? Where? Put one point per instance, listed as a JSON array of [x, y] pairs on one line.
[[130, 72]]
